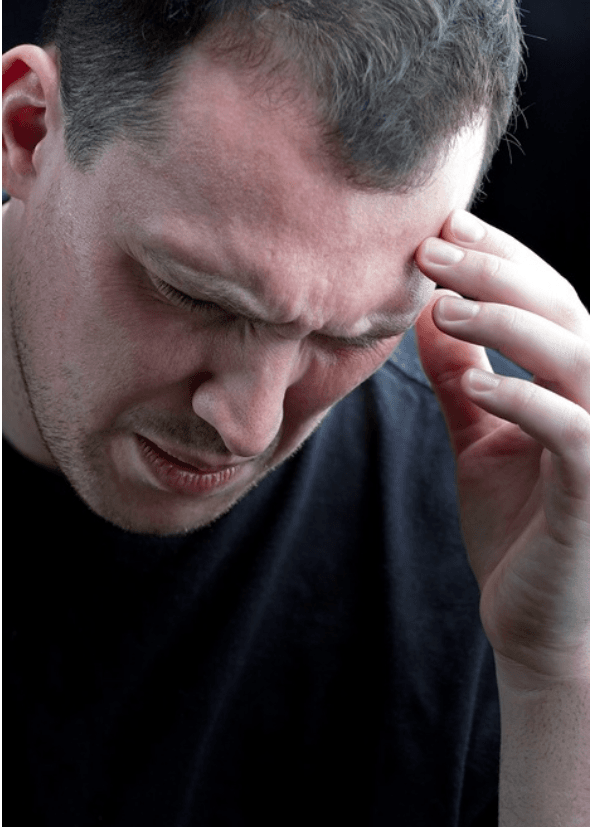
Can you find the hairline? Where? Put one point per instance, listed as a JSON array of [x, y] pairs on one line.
[[267, 74]]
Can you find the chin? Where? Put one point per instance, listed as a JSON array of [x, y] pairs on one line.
[[160, 514]]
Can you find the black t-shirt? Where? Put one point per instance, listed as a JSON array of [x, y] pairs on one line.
[[314, 657]]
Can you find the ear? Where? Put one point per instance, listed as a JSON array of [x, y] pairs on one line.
[[31, 114]]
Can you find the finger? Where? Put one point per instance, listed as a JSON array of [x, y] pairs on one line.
[[558, 359], [497, 268], [469, 231], [558, 424], [445, 360]]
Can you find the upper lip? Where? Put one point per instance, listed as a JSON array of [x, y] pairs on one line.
[[181, 455]]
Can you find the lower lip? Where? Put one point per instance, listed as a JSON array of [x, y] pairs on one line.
[[180, 478]]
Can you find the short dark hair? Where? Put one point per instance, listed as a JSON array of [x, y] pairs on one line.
[[395, 80]]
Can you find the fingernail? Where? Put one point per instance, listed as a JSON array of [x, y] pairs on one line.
[[440, 252], [467, 227], [451, 309], [481, 381]]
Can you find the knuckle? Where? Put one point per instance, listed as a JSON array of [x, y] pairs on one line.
[[504, 319], [507, 247], [575, 431], [527, 390], [488, 267], [580, 360], [569, 310]]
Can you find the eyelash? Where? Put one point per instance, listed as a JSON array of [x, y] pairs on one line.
[[358, 347], [197, 305], [184, 301]]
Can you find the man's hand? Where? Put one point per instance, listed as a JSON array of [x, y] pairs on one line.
[[521, 447]]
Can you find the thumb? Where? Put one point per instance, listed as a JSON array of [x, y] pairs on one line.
[[445, 360]]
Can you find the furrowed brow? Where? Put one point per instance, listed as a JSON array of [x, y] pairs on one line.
[[213, 288], [210, 287], [371, 337]]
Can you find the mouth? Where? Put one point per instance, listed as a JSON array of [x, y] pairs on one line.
[[179, 476]]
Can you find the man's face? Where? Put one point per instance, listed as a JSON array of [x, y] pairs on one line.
[[211, 303]]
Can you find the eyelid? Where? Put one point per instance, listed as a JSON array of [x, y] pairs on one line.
[[332, 342], [182, 300], [359, 344]]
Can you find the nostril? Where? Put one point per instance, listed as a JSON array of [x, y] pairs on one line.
[[197, 380], [249, 438], [244, 399]]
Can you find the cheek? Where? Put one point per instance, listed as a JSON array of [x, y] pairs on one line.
[[146, 356], [330, 377], [145, 343], [48, 317]]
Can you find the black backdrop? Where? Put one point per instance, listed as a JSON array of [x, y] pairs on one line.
[[538, 193]]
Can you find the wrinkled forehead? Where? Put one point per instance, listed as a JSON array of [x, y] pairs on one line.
[[239, 141], [266, 68], [243, 189]]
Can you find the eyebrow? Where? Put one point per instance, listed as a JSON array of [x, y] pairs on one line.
[[215, 289]]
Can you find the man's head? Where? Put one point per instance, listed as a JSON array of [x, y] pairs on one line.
[[209, 299], [393, 80]]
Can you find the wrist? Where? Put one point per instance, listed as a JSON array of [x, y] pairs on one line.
[[513, 677]]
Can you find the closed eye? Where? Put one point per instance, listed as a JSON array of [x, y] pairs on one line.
[[185, 302], [359, 345], [335, 344]]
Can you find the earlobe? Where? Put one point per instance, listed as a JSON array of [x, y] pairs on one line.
[[30, 96]]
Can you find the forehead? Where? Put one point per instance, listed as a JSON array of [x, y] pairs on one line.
[[242, 184]]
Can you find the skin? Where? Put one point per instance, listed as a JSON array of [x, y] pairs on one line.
[[94, 354], [243, 192]]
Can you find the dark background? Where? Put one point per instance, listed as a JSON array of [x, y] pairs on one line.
[[538, 193]]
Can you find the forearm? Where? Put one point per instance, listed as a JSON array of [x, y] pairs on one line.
[[544, 773]]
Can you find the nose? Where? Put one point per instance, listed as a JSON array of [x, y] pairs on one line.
[[244, 398]]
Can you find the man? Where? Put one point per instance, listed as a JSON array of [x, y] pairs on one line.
[[224, 218]]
